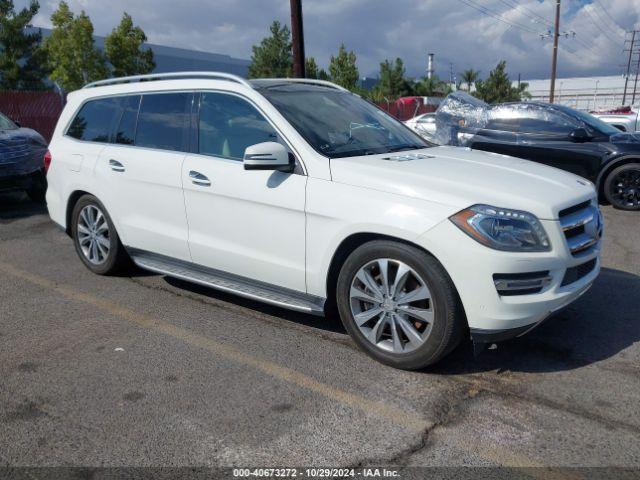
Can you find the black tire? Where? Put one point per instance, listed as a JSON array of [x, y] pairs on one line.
[[116, 260], [448, 320], [629, 176], [38, 188]]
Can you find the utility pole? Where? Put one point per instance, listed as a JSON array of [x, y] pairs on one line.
[[297, 39], [626, 80], [635, 85], [451, 79], [554, 62]]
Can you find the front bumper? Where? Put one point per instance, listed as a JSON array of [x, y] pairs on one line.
[[493, 317]]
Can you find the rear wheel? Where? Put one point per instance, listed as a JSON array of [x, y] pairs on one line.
[[399, 304], [95, 238], [622, 187]]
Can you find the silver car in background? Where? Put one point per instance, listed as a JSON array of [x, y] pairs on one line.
[[424, 125]]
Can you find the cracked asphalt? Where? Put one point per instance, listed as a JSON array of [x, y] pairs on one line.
[[150, 371]]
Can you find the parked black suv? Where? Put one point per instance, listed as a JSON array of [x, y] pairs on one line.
[[552, 134], [22, 153]]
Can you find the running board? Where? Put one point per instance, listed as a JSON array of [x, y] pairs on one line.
[[227, 282]]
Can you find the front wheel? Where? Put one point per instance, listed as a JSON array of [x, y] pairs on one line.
[[622, 187], [399, 305]]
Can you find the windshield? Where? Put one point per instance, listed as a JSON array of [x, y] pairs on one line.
[[590, 120], [340, 124], [6, 124]]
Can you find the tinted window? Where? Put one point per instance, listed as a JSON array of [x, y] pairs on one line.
[[126, 131], [96, 120], [589, 120], [503, 124], [163, 121], [546, 121], [228, 125], [6, 124]]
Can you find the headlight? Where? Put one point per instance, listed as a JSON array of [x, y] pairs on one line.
[[503, 229]]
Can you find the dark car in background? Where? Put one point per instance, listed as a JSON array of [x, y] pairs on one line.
[[552, 134], [22, 160]]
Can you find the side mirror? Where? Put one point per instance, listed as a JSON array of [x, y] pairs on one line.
[[579, 135], [267, 156]]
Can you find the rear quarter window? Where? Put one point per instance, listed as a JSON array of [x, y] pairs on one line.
[[95, 120]]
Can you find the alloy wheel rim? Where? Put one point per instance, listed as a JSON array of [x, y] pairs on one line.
[[391, 305], [93, 235], [625, 188]]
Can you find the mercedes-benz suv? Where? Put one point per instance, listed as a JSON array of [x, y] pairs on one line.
[[301, 194]]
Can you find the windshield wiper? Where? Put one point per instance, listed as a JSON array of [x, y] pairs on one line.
[[408, 146]]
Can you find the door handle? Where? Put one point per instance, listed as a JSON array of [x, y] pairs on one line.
[[116, 166], [199, 179]]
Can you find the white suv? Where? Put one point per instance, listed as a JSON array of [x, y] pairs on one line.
[[301, 194]]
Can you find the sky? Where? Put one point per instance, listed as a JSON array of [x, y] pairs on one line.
[[466, 33]]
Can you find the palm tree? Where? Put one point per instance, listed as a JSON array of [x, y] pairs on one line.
[[470, 77]]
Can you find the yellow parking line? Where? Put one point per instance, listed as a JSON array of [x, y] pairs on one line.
[[405, 419], [408, 420]]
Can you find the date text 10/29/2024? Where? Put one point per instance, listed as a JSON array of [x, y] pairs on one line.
[[316, 472]]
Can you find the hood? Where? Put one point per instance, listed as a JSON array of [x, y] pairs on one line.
[[626, 138], [461, 177]]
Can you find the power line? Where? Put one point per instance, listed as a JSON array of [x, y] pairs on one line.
[[587, 9], [497, 16], [602, 17], [609, 15], [532, 15]]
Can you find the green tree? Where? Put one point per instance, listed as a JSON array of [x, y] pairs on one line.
[[392, 82], [21, 60], [497, 88], [122, 48], [310, 67], [470, 77], [73, 58], [343, 68], [323, 75], [431, 87], [272, 57]]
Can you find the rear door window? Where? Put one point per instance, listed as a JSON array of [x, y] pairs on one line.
[[228, 125], [163, 121], [126, 131], [96, 120]]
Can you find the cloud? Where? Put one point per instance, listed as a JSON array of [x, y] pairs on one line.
[[378, 29]]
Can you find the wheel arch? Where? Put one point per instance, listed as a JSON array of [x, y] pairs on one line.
[[347, 246], [602, 176], [71, 203]]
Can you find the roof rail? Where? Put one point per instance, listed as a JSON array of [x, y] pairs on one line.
[[311, 81], [169, 76]]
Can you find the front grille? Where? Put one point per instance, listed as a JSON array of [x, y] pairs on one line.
[[510, 284], [582, 227], [574, 209], [574, 274]]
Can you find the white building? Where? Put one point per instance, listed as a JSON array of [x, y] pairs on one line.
[[586, 93]]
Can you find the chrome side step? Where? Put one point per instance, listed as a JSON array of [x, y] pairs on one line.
[[227, 282]]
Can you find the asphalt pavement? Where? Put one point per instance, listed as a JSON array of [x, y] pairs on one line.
[[143, 370]]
